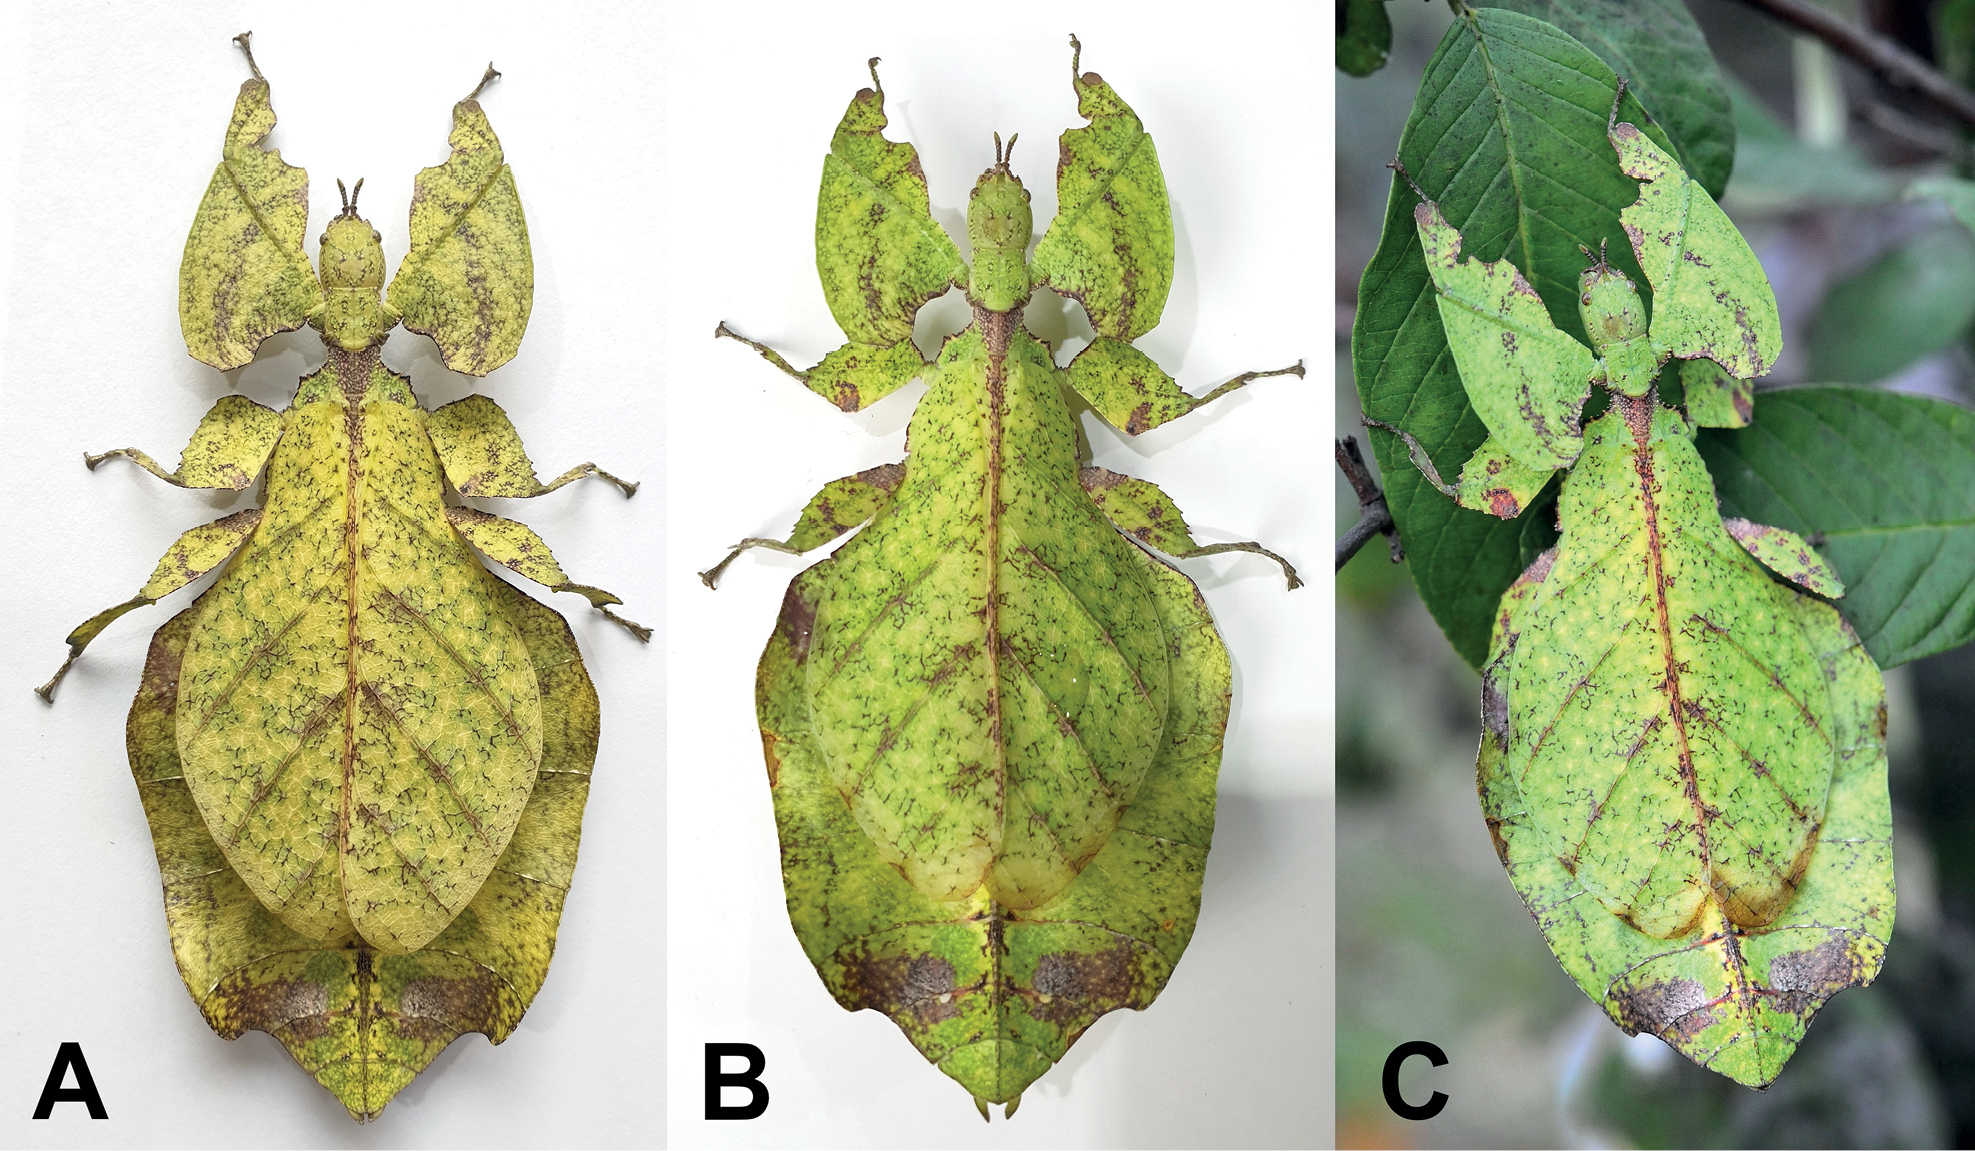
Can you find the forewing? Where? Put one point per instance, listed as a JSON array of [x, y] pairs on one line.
[[1667, 700], [1735, 1000], [244, 276], [469, 279], [880, 253], [1699, 751], [361, 725], [361, 1022], [1527, 380], [1111, 243], [1710, 297], [990, 995]]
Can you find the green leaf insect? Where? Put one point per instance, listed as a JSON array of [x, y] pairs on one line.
[[993, 718], [363, 757], [1683, 760]]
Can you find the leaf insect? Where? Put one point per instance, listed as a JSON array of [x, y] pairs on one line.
[[993, 718], [363, 757], [1683, 761]]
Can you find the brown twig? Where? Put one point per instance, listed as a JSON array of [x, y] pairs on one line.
[[1374, 518], [1891, 60]]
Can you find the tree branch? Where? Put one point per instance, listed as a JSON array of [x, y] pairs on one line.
[[1890, 59], [1374, 518]]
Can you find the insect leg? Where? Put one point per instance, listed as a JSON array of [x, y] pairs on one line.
[[1142, 511], [516, 547], [483, 456], [841, 505], [197, 552], [228, 449], [854, 376], [1134, 394]]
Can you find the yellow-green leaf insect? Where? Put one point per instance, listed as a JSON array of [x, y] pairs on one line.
[[993, 719], [1683, 765], [363, 757]]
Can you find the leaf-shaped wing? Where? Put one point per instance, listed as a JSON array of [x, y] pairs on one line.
[[1710, 297], [364, 1023], [1111, 243], [469, 279], [1734, 999], [1527, 380], [244, 276], [361, 724], [991, 995], [1668, 721], [879, 252]]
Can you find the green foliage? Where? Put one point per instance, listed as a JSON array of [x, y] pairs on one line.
[[1364, 36], [1915, 299], [1660, 51], [1776, 171], [1884, 484], [1507, 105]]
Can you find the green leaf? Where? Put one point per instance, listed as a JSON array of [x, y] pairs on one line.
[[1913, 300], [1775, 171], [1684, 767], [1659, 49], [1507, 135], [1886, 482], [1364, 36]]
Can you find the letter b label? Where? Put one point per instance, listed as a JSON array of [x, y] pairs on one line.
[[750, 1079]]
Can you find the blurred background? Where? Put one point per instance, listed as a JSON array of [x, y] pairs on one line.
[[1432, 942]]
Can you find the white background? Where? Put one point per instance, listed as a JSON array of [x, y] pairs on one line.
[[1237, 1051], [668, 162], [115, 115]]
